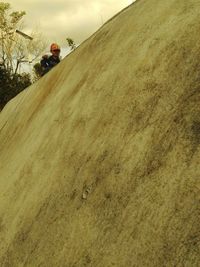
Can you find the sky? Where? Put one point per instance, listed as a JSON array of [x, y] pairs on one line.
[[59, 19]]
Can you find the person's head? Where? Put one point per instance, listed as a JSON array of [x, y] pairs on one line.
[[55, 50]]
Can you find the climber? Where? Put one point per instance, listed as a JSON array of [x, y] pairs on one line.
[[48, 62]]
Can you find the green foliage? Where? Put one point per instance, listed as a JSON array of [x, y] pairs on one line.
[[71, 43], [15, 50], [38, 71], [16, 16], [10, 52], [11, 82], [9, 20], [11, 85]]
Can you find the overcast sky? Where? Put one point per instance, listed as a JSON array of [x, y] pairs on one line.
[[59, 19]]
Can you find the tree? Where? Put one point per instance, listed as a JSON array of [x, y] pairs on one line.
[[8, 24], [14, 48], [11, 85]]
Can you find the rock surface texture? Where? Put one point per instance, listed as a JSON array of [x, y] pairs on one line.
[[100, 159]]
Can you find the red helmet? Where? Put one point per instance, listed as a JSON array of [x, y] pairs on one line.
[[54, 47]]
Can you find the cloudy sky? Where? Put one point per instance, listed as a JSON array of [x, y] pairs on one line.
[[59, 19]]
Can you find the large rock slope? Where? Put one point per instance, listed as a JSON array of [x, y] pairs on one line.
[[99, 160]]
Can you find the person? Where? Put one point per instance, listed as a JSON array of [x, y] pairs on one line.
[[48, 62]]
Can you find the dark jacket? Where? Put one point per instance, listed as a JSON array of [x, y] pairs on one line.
[[48, 62]]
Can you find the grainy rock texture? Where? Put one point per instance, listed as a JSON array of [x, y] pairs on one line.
[[99, 160]]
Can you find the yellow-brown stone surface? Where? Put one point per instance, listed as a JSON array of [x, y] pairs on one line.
[[100, 159]]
